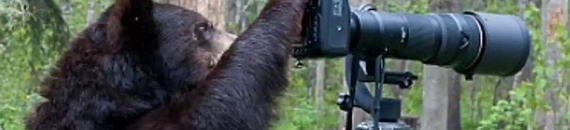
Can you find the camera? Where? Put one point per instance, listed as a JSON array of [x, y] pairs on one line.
[[469, 42]]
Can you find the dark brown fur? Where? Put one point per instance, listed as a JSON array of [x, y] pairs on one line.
[[149, 66]]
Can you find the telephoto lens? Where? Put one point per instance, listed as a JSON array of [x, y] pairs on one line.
[[469, 42]]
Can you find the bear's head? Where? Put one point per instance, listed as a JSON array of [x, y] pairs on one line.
[[188, 42], [177, 46]]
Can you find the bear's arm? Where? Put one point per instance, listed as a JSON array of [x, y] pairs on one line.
[[240, 93]]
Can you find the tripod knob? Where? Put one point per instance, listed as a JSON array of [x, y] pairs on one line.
[[403, 80], [343, 101]]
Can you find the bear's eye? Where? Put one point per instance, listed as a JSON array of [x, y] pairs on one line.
[[202, 27], [204, 31]]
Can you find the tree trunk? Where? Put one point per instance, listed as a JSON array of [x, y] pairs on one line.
[[237, 15], [214, 10], [65, 8], [319, 88], [311, 71], [496, 92], [553, 13], [241, 14], [441, 89], [472, 100], [568, 69], [90, 11]]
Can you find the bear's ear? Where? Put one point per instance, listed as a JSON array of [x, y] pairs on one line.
[[130, 25]]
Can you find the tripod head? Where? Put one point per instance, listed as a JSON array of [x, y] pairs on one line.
[[385, 111]]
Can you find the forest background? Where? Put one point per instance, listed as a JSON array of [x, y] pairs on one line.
[[34, 32]]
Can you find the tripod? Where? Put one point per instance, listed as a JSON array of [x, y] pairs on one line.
[[385, 111]]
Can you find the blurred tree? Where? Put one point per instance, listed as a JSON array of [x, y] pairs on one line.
[[214, 10], [238, 14], [91, 4], [554, 18], [319, 87]]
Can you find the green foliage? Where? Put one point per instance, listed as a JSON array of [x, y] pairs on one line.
[[298, 110], [11, 97], [410, 6], [32, 34], [528, 97], [513, 114]]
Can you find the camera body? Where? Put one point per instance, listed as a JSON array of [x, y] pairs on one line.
[[326, 27]]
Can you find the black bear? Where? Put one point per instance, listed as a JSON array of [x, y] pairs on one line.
[[145, 65]]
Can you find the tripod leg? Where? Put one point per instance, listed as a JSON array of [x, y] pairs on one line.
[[379, 78]]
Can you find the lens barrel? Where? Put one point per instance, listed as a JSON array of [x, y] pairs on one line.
[[470, 42]]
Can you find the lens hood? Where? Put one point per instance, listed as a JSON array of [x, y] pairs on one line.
[[506, 45]]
